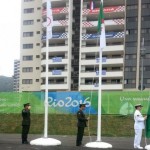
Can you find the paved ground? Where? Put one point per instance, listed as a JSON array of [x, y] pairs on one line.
[[13, 142]]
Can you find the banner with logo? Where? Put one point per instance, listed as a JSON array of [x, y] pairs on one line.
[[120, 103]]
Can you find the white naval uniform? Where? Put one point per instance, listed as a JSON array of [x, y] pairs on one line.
[[138, 126]]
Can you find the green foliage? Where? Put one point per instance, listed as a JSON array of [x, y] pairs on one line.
[[66, 124], [6, 84]]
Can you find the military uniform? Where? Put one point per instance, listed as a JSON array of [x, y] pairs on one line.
[[138, 127], [25, 125], [81, 125]]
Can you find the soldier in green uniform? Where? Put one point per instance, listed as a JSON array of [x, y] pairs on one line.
[[81, 124], [25, 123]]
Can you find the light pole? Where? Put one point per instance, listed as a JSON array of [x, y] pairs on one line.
[[142, 54]]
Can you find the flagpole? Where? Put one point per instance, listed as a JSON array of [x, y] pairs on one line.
[[45, 141], [101, 26], [46, 89], [99, 97]]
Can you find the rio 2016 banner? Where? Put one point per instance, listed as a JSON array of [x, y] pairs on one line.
[[120, 103]]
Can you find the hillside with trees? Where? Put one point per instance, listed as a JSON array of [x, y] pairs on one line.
[[6, 84]]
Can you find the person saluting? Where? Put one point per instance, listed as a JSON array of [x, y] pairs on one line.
[[81, 124], [138, 126], [25, 123]]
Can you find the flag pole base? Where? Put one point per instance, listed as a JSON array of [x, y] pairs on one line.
[[98, 144], [147, 147], [45, 142]]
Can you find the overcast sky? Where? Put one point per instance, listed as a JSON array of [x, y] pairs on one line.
[[9, 35]]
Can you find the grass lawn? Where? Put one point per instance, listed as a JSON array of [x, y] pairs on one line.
[[66, 124]]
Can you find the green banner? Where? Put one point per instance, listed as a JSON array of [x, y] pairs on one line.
[[118, 102]]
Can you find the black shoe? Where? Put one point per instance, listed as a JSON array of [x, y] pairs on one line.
[[25, 142], [79, 145]]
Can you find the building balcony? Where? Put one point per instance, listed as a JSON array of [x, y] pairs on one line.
[[107, 74], [107, 50], [55, 73], [52, 62], [114, 24], [109, 62], [55, 49], [58, 23], [61, 10], [109, 12], [84, 87], [56, 36], [109, 35], [56, 86]]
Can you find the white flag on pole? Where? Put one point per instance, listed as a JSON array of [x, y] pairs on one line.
[[49, 20]]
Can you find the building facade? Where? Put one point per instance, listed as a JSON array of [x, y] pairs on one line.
[[30, 59], [73, 51], [137, 45], [16, 75]]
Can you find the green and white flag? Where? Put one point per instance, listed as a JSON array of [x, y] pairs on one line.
[[101, 26], [147, 128]]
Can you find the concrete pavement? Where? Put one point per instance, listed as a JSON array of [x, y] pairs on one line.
[[13, 142]]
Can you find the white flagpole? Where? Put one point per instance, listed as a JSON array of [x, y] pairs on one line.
[[46, 83], [99, 97], [99, 143], [45, 141]]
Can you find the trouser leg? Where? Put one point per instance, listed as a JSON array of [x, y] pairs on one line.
[[80, 133], [25, 131], [138, 136]]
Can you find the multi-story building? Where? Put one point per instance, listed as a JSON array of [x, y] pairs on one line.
[[137, 55], [73, 51], [112, 67], [31, 31], [16, 75]]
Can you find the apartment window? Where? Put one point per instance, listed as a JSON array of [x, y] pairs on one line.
[[26, 58], [27, 81], [39, 8], [129, 69], [28, 22], [38, 20], [147, 56], [27, 46], [147, 68], [38, 32], [148, 81], [27, 69], [37, 44], [145, 18], [130, 81], [37, 68], [37, 80], [131, 44], [37, 56], [28, 0], [27, 34], [132, 19], [131, 7], [131, 32], [145, 31], [28, 10], [146, 6]]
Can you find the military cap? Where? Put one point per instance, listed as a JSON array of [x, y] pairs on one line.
[[138, 105], [27, 104], [82, 105]]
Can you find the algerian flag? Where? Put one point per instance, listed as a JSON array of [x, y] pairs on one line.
[[147, 128], [101, 26]]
